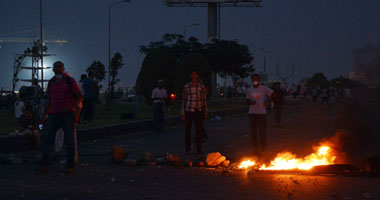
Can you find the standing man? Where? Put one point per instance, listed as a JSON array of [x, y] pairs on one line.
[[63, 97], [89, 96], [279, 102], [194, 108], [159, 96], [256, 99]]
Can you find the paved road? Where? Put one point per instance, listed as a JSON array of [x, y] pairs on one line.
[[97, 178]]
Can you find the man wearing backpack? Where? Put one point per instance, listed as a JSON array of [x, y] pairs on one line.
[[63, 97]]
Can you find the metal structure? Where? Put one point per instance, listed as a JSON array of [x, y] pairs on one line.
[[34, 54], [30, 40], [188, 26], [283, 78], [213, 18], [35, 68], [109, 38]]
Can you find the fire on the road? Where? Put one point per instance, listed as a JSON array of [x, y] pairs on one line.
[[247, 164], [289, 161]]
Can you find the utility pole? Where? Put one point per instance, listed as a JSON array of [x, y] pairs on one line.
[[41, 48], [213, 6]]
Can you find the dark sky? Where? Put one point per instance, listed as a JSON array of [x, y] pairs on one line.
[[317, 36]]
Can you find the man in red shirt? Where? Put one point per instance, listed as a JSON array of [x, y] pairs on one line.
[[63, 97]]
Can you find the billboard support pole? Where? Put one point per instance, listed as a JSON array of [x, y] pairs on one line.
[[212, 33]]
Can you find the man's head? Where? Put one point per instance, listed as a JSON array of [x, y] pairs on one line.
[[35, 81], [277, 86], [194, 76], [82, 77], [255, 80], [91, 74], [22, 97], [160, 83], [58, 68]]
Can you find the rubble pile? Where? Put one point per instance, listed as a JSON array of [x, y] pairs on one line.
[[145, 158]]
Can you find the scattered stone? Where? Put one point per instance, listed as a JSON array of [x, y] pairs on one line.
[[215, 159], [373, 165], [145, 157], [217, 118], [130, 162], [160, 161], [118, 154], [226, 163]]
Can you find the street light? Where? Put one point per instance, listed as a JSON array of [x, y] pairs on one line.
[[109, 37], [188, 26], [264, 56]]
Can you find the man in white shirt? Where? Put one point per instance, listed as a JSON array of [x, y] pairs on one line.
[[19, 107], [256, 99], [159, 96]]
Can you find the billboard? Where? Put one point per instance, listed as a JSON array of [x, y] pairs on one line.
[[211, 1]]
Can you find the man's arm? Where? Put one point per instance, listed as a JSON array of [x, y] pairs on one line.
[[248, 99], [77, 99], [184, 101], [47, 107]]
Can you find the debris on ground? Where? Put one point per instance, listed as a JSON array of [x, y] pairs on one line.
[[217, 118], [130, 162], [373, 165], [118, 154], [145, 157], [215, 159]]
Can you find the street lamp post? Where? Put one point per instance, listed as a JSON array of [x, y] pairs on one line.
[[109, 37], [188, 26]]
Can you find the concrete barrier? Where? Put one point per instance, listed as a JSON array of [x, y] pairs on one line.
[[13, 144]]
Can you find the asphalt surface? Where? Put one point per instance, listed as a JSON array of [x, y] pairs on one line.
[[97, 178]]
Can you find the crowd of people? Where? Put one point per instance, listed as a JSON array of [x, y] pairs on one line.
[[65, 99]]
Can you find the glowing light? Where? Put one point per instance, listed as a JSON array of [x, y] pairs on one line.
[[246, 164], [289, 161]]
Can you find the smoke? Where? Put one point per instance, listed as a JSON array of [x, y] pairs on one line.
[[358, 123], [367, 60]]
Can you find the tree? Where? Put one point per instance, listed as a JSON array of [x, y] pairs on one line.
[[224, 57], [99, 71], [229, 58], [181, 75], [116, 64], [157, 64], [318, 79]]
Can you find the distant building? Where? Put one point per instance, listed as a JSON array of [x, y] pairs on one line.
[[369, 79]]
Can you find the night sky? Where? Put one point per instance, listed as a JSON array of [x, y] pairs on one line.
[[317, 36]]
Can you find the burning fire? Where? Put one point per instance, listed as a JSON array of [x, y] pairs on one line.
[[246, 164], [289, 161]]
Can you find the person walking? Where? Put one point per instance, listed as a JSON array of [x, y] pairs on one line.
[[279, 102], [159, 97], [194, 108], [325, 96], [89, 96], [256, 99], [63, 97]]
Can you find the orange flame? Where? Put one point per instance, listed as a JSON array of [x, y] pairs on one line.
[[246, 164], [288, 161]]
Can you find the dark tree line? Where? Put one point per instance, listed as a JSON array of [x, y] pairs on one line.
[[172, 59]]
